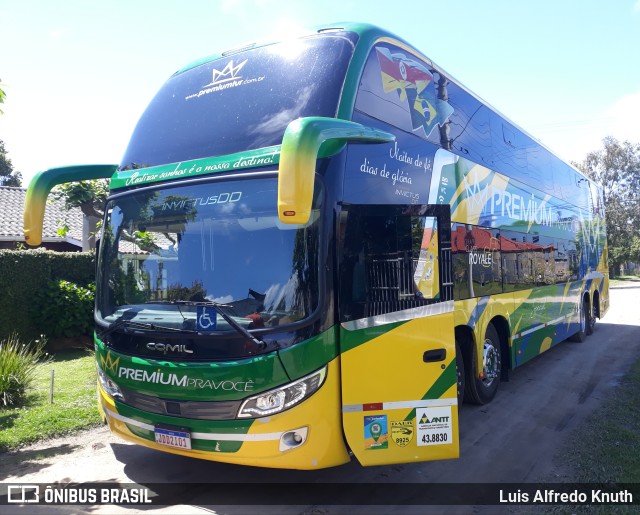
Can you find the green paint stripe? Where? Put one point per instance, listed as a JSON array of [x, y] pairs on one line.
[[446, 380], [443, 383], [196, 168], [305, 357], [352, 339]]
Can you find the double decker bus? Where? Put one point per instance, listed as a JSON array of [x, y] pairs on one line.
[[319, 247]]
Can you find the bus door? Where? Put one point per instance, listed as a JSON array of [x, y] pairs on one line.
[[398, 363]]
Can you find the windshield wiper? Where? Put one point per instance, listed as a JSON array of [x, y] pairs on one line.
[[220, 308], [126, 322]]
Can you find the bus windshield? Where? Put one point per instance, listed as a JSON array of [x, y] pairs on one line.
[[241, 102], [167, 252]]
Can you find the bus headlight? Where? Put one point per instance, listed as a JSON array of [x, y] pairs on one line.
[[282, 398], [108, 385]]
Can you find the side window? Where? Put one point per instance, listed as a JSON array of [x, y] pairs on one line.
[[553, 265], [519, 261], [562, 261], [398, 88], [531, 260], [477, 267], [388, 263]]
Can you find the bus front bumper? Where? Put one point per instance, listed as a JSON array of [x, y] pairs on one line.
[[307, 436]]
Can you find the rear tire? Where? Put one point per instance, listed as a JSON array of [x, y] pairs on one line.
[[581, 335], [591, 320], [460, 374], [482, 387]]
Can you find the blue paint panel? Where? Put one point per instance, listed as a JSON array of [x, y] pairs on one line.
[[389, 173]]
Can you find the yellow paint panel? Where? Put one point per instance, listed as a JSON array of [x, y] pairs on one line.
[[391, 369]]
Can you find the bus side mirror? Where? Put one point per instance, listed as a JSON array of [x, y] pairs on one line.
[[41, 185], [305, 140]]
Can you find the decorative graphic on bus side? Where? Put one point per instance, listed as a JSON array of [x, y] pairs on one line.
[[414, 84]]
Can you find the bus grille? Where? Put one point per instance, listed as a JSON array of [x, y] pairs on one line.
[[197, 410]]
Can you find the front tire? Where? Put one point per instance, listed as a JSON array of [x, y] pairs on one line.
[[482, 385]]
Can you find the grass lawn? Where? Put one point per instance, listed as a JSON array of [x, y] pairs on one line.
[[74, 402], [607, 447], [623, 279]]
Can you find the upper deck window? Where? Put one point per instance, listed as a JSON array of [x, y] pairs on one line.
[[398, 88], [241, 102]]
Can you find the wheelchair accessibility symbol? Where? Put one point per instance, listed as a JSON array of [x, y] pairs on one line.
[[206, 318]]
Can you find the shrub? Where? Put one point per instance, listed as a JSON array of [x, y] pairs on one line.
[[18, 364], [65, 309], [23, 273]]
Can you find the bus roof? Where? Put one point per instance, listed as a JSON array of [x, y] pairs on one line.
[[368, 35]]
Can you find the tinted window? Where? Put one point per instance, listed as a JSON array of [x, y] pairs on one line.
[[389, 263], [241, 102], [533, 260], [477, 269], [220, 242]]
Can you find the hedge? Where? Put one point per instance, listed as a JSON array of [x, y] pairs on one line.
[[24, 273]]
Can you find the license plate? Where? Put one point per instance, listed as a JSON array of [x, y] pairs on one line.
[[173, 438]]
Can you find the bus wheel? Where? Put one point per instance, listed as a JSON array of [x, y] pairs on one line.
[[460, 374], [581, 335], [591, 320], [481, 387]]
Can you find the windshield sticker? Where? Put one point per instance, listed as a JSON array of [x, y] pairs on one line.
[[261, 157], [206, 318], [227, 78], [222, 198], [376, 435]]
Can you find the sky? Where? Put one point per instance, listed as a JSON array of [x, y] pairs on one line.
[[79, 73]]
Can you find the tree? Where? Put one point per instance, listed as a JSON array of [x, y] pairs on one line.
[[90, 197], [617, 168], [2, 95], [8, 177]]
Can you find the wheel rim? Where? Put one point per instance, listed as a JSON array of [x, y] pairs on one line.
[[583, 319], [490, 363]]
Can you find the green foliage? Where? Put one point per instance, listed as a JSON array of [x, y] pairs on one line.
[[617, 168], [64, 308], [125, 286], [145, 241], [196, 292], [18, 365], [89, 196], [8, 177], [2, 96], [24, 273]]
